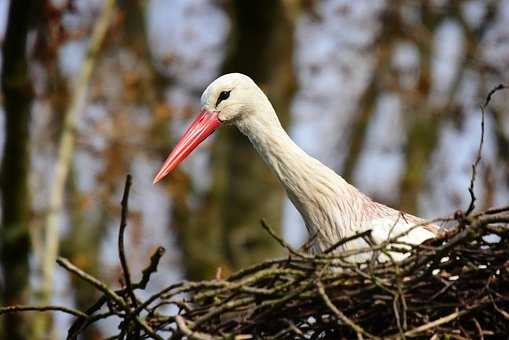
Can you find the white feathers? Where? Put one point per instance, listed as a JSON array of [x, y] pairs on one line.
[[331, 208]]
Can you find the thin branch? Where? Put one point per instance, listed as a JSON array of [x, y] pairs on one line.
[[66, 264], [82, 322], [339, 314], [151, 268], [346, 240], [492, 92], [435, 323], [280, 240], [23, 308], [121, 251], [185, 330], [483, 107], [108, 292]]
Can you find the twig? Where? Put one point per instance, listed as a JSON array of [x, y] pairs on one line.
[[151, 268], [281, 241], [434, 324], [339, 314], [80, 323], [309, 243], [65, 263], [492, 92], [121, 251], [193, 335], [23, 308], [483, 107], [108, 292], [479, 329], [346, 240]]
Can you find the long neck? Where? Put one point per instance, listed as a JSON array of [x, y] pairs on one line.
[[309, 183], [271, 141]]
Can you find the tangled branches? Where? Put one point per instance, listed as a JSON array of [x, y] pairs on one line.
[[457, 285]]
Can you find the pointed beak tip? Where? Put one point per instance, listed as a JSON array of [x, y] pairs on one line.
[[158, 178], [199, 130]]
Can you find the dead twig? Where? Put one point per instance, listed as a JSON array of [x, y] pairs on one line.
[[121, 250], [342, 317], [23, 308], [478, 157]]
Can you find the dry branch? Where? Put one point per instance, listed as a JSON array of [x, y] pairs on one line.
[[471, 205]]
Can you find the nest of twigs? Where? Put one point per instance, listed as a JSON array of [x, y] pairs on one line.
[[456, 286]]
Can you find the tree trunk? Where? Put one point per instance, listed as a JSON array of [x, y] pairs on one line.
[[18, 96]]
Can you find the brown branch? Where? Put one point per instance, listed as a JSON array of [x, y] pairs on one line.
[[150, 269], [280, 240], [483, 107], [181, 323], [346, 240], [66, 264], [82, 322], [435, 323], [339, 314], [108, 292], [23, 308], [121, 251]]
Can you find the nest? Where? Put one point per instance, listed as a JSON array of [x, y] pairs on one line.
[[455, 286]]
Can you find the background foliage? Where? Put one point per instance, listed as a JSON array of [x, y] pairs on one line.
[[385, 92]]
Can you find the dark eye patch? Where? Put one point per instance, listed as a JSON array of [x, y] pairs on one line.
[[223, 96]]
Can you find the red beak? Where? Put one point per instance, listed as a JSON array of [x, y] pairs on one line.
[[206, 123]]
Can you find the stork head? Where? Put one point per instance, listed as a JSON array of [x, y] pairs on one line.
[[227, 100]]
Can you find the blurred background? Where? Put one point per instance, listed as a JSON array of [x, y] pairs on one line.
[[387, 93]]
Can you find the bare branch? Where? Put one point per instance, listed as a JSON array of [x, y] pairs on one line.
[[121, 250], [151, 268], [23, 308], [339, 314], [483, 107]]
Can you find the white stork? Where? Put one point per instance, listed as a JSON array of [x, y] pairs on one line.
[[332, 209]]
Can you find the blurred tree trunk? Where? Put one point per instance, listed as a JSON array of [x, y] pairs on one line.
[[18, 96], [226, 231]]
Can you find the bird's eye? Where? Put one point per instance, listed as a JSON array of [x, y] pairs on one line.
[[222, 96]]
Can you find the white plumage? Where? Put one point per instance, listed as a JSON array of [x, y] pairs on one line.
[[331, 208]]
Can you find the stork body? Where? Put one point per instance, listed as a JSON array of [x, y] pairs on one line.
[[332, 209]]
